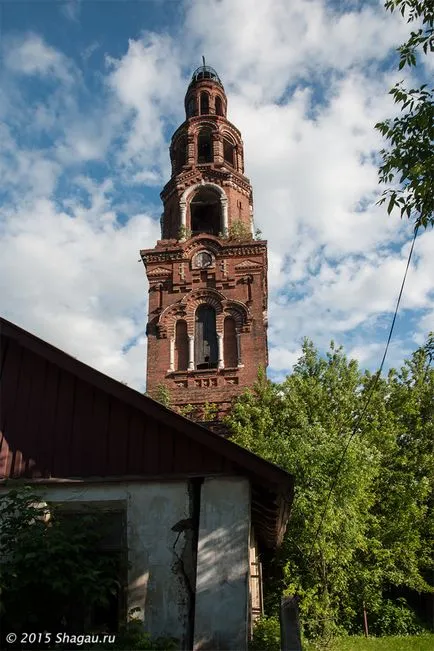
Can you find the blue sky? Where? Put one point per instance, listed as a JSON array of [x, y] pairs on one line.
[[93, 91]]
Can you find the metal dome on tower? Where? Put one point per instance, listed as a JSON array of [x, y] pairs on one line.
[[205, 72]]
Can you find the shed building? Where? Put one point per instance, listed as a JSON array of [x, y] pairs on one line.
[[195, 511]]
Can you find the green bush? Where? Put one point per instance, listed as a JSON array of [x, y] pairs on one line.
[[266, 635], [394, 618], [134, 638]]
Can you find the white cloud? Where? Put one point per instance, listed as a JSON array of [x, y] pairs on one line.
[[281, 42], [89, 50], [313, 173], [364, 353], [427, 325], [369, 355], [304, 86], [71, 9], [32, 56], [75, 281], [283, 359], [24, 171], [148, 88]]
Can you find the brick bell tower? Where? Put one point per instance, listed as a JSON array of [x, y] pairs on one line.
[[207, 321]]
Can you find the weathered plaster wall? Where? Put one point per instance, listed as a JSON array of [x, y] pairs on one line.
[[161, 577], [157, 582], [222, 589]]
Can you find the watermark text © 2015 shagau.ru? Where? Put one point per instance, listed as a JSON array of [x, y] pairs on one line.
[[61, 638]]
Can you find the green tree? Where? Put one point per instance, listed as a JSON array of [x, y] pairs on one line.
[[302, 425], [398, 556], [374, 535], [408, 162]]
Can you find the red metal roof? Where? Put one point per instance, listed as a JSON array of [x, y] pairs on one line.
[[63, 420]]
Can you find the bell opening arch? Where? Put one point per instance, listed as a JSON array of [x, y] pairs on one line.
[[205, 199]]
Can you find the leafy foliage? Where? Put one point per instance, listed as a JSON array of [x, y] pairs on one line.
[[133, 638], [187, 411], [395, 618], [239, 231], [376, 535], [416, 10], [208, 411], [184, 233], [390, 643], [162, 395], [52, 570], [266, 635], [409, 159]]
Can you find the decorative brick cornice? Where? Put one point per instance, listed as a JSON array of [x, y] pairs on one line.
[[253, 248], [248, 265], [162, 256], [159, 272], [209, 172], [219, 120]]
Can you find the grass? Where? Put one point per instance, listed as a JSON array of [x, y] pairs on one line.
[[402, 643]]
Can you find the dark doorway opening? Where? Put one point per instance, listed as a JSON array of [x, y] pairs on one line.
[[191, 107], [229, 152], [204, 147], [181, 153], [205, 340], [230, 343], [218, 106], [204, 104], [181, 346], [205, 212]]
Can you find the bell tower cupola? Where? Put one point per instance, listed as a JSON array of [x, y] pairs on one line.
[[205, 94], [208, 274]]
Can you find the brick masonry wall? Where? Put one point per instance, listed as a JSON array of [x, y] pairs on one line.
[[236, 188], [237, 279]]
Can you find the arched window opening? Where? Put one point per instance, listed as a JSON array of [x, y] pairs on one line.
[[204, 146], [205, 210], [181, 152], [229, 152], [230, 343], [191, 106], [181, 346], [204, 103], [205, 338], [218, 105]]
